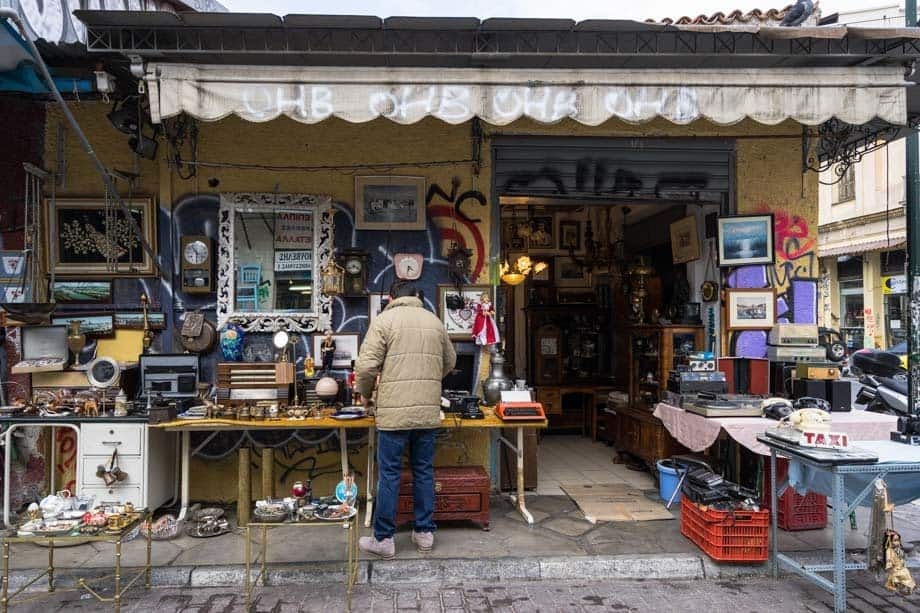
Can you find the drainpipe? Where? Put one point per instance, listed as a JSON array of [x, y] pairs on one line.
[[913, 248], [8, 13]]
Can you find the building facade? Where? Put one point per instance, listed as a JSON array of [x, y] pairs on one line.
[[862, 232]]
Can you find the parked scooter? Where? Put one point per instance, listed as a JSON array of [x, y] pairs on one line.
[[884, 381]]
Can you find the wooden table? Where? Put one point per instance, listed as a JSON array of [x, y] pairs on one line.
[[490, 421]]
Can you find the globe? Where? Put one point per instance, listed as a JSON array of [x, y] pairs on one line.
[[327, 389]]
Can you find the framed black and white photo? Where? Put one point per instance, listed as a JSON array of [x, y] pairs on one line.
[[745, 240], [750, 309], [390, 203], [570, 274], [511, 238], [541, 233], [685, 241], [82, 239], [346, 349], [570, 235]]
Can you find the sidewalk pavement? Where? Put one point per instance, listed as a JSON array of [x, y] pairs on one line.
[[561, 545], [754, 595]]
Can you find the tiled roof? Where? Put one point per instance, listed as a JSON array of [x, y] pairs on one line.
[[755, 17]]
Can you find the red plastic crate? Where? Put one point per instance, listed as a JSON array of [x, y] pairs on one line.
[[795, 512], [726, 536]]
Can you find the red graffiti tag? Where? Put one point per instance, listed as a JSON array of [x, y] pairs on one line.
[[790, 234]]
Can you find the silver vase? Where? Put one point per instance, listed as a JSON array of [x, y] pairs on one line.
[[497, 382]]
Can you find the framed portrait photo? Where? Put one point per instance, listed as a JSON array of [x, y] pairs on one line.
[[569, 274], [346, 349], [745, 240], [458, 309], [77, 242], [750, 309], [541, 233], [390, 203], [685, 241]]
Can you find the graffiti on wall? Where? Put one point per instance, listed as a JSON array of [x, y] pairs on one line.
[[794, 276]]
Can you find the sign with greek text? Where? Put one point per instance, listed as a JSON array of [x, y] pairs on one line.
[[293, 229], [293, 260]]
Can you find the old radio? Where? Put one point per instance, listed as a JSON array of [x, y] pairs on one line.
[[44, 349], [169, 375], [243, 383], [687, 382], [827, 371]]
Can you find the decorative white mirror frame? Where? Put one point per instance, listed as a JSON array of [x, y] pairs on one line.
[[306, 321]]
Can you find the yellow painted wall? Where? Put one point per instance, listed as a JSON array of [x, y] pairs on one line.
[[768, 170]]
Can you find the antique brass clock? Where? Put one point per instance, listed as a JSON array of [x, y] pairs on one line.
[[355, 264]]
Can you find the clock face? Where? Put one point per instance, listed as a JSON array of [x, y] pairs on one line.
[[353, 266], [195, 252], [408, 266]]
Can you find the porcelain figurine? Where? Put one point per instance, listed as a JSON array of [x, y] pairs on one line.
[[484, 329], [327, 350]]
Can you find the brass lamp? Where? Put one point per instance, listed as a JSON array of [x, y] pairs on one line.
[[332, 279]]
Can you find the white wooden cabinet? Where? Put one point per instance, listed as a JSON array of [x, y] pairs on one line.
[[147, 455]]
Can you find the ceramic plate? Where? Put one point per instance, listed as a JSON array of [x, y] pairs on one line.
[[341, 415], [334, 513], [187, 416]]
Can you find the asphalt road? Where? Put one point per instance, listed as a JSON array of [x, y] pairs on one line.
[[742, 595]]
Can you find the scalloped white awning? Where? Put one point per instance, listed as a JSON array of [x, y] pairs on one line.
[[810, 96]]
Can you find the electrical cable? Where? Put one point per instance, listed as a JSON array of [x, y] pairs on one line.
[[326, 167]]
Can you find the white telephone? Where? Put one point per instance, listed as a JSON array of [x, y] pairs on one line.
[[809, 419]]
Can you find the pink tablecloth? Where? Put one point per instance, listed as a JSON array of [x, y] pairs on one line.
[[697, 433]]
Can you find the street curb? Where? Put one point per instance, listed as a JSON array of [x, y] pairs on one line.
[[419, 570]]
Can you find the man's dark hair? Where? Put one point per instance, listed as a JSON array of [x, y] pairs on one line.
[[401, 289]]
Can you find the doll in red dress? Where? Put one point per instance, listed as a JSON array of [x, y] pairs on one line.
[[484, 329]]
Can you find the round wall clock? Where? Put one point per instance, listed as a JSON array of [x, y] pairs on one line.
[[408, 266], [196, 252]]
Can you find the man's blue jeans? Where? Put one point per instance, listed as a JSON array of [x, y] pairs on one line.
[[390, 447]]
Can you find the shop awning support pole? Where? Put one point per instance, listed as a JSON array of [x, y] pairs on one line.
[[7, 13], [913, 248]]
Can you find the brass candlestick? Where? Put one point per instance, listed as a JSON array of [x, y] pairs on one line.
[[148, 333]]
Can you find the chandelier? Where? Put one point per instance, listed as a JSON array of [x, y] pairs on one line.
[[602, 253], [516, 272]]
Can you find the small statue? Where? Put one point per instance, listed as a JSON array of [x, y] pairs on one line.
[[484, 329], [899, 579], [327, 350]]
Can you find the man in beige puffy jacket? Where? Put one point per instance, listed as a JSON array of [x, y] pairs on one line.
[[408, 347]]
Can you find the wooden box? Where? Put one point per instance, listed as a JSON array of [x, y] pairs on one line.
[[461, 492]]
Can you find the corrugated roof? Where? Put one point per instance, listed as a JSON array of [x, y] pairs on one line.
[[756, 17]]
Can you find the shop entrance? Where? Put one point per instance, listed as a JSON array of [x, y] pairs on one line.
[[599, 305]]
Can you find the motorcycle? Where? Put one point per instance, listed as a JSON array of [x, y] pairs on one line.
[[884, 382]]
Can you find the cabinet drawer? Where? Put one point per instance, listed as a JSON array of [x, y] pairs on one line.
[[551, 399], [129, 464], [119, 495], [102, 439], [446, 503]]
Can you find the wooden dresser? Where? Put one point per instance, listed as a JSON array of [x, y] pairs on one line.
[[642, 435], [461, 492]]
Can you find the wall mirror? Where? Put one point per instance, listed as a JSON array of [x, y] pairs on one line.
[[272, 249]]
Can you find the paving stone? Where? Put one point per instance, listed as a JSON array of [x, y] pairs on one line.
[[566, 526], [538, 516]]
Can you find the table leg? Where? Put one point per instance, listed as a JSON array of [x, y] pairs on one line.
[[186, 444], [117, 594], [4, 601], [51, 564], [371, 470], [248, 555], [268, 479], [244, 492], [343, 446], [522, 507], [774, 563], [148, 568], [840, 575], [7, 463], [264, 561], [54, 461]]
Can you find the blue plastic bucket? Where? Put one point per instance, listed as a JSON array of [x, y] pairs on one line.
[[669, 473]]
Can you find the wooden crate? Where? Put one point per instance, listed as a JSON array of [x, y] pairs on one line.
[[461, 492]]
